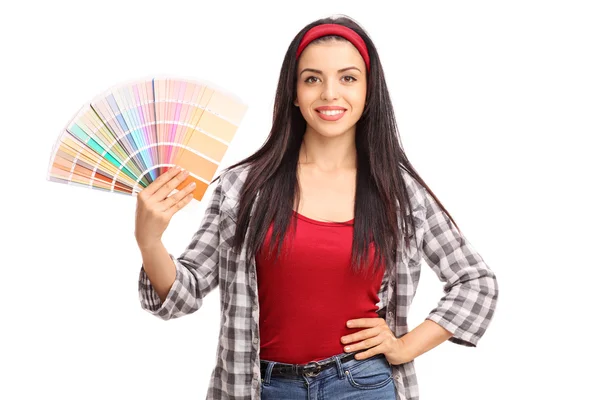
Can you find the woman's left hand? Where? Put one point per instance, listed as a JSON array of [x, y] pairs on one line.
[[378, 338]]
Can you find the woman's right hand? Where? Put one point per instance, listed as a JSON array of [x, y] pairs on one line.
[[155, 207]]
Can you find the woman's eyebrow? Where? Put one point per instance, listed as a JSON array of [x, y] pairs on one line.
[[317, 71]]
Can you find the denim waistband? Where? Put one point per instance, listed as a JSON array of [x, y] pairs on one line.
[[337, 368]]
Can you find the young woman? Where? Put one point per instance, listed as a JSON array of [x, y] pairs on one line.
[[316, 240]]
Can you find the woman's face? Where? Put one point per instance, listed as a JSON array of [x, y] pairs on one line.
[[331, 87]]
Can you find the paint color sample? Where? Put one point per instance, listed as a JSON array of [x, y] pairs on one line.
[[132, 133]]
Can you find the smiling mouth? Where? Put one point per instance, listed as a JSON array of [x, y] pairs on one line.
[[331, 115], [331, 112]]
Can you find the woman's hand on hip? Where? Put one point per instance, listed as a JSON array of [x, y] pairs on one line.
[[376, 338]]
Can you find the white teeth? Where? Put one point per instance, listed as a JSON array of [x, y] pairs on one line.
[[331, 112]]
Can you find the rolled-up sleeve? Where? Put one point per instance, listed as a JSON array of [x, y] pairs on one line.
[[196, 269], [471, 288]]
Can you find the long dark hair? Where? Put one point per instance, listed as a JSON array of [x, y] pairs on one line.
[[380, 188]]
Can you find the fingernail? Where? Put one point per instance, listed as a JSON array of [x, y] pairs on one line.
[[193, 184], [347, 348]]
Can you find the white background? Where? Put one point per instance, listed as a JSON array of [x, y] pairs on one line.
[[498, 108]]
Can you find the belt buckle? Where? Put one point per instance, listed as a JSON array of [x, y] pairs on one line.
[[316, 369]]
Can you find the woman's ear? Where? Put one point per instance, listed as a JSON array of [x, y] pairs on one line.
[[296, 102]]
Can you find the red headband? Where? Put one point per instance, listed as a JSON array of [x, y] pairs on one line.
[[338, 30]]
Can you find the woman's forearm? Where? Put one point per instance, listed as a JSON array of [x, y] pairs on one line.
[[159, 267], [423, 338]]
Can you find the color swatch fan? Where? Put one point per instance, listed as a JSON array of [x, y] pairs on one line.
[[132, 133]]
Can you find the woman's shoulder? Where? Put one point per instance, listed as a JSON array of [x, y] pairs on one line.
[[416, 191], [232, 180]]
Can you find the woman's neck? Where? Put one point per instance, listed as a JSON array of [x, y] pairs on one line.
[[328, 154]]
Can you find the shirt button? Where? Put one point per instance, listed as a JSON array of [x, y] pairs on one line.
[[390, 314], [255, 341]]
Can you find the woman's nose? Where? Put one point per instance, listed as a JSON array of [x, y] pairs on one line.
[[330, 91]]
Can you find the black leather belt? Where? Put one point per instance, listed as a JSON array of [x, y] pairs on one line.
[[311, 369]]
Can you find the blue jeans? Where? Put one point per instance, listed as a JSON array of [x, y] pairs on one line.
[[369, 379]]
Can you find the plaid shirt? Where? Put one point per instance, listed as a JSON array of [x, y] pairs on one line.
[[465, 309]]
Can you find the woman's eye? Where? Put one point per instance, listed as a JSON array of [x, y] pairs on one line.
[[345, 79]]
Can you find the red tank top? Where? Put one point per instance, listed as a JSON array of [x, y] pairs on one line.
[[306, 296]]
